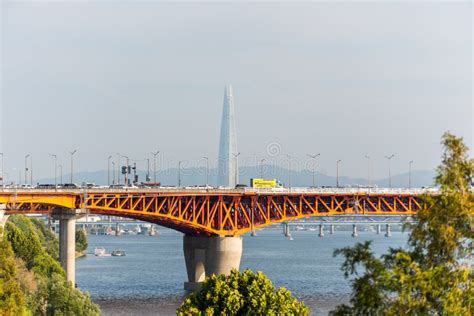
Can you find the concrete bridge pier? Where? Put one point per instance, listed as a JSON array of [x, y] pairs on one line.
[[321, 230], [67, 240], [354, 230], [206, 256], [286, 230], [388, 232], [331, 229], [378, 229]]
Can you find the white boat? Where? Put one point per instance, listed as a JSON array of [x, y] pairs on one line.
[[99, 251], [118, 253]]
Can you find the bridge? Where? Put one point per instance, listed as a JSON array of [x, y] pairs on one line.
[[211, 220]]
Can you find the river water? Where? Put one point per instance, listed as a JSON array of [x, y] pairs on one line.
[[149, 279]]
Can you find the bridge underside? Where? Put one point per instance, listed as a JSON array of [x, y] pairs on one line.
[[220, 215]]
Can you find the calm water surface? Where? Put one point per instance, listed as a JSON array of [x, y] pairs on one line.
[[149, 279]]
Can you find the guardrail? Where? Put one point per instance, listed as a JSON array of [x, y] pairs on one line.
[[195, 190]]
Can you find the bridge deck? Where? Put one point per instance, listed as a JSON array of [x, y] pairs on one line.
[[224, 212]]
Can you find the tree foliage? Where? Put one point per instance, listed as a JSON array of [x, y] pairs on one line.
[[81, 241], [244, 293], [51, 294], [430, 277], [12, 299]]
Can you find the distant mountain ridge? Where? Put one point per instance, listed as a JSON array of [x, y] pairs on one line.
[[197, 176]]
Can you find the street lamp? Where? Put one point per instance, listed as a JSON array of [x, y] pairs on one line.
[[147, 170], [368, 170], [337, 173], [389, 171], [207, 171], [289, 171], [261, 167], [26, 167], [236, 168], [314, 165], [55, 170], [179, 173], [3, 173], [113, 172], [118, 168], [409, 173], [108, 169], [72, 163], [154, 165], [60, 174]]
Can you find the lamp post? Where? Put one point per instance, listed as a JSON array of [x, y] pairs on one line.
[[409, 173], [26, 167], [113, 172], [289, 171], [108, 169], [3, 172], [60, 174], [389, 158], [236, 167], [314, 165], [154, 165], [179, 173], [31, 170], [207, 171], [118, 168], [261, 167], [55, 170], [368, 170], [337, 173], [147, 170], [72, 163]]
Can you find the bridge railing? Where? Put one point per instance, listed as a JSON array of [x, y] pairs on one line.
[[194, 190]]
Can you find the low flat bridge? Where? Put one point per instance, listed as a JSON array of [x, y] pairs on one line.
[[211, 220]]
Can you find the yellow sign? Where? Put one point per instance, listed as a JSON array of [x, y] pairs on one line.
[[263, 183]]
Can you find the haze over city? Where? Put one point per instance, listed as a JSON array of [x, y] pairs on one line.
[[343, 80]]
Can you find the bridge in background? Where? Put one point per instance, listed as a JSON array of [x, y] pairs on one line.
[[212, 220]]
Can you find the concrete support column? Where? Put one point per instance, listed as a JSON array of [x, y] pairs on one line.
[[378, 229], [388, 233], [321, 230], [331, 229], [286, 230], [206, 256], [67, 247], [354, 230], [67, 240]]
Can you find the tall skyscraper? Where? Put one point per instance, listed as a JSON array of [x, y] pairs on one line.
[[228, 166]]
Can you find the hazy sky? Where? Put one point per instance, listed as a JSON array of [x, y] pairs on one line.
[[341, 79]]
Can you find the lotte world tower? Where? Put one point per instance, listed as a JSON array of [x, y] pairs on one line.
[[228, 166]]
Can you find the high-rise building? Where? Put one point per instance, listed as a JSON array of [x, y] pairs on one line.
[[228, 166]]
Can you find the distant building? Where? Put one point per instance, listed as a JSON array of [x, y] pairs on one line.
[[227, 174]]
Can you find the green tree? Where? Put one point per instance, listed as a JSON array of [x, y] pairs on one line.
[[430, 277], [244, 293], [53, 295], [81, 241], [12, 299]]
